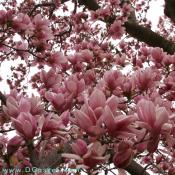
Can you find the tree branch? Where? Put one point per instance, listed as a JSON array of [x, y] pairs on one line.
[[135, 169], [149, 37], [142, 33], [41, 5], [90, 4], [170, 9], [2, 98]]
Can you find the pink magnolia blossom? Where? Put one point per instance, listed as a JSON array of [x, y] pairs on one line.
[[52, 124], [154, 118], [88, 118], [145, 51], [127, 8], [120, 60], [87, 55], [37, 108], [26, 125], [89, 123], [6, 16], [113, 79], [3, 17], [57, 100], [95, 154], [157, 54], [65, 117], [90, 155], [123, 155], [127, 86], [74, 86], [57, 59], [42, 30], [14, 144], [104, 12], [168, 60], [74, 59], [50, 79], [23, 22], [13, 107], [115, 2], [119, 125], [79, 147], [97, 99], [116, 30], [22, 49], [89, 77], [144, 79]]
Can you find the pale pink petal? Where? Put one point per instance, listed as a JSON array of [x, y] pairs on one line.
[[71, 156], [161, 117], [109, 119], [24, 105], [97, 99], [112, 102], [71, 86], [90, 113], [82, 119]]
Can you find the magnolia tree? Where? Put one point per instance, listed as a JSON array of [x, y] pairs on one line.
[[105, 86]]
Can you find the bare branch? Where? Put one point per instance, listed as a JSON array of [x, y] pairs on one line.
[[41, 5], [149, 37], [170, 9], [135, 169], [5, 131], [2, 98]]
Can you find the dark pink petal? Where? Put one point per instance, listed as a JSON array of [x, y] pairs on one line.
[[79, 147]]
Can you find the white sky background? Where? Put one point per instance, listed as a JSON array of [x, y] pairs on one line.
[[155, 11]]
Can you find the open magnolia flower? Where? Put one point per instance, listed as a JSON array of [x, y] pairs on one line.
[[26, 125], [154, 119], [53, 125], [88, 155], [89, 117], [119, 125]]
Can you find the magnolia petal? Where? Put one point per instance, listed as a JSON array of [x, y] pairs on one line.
[[161, 117], [71, 86], [28, 130], [82, 119], [97, 99], [109, 119], [24, 105], [71, 156]]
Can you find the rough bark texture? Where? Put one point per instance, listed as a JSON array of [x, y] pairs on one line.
[[149, 37]]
